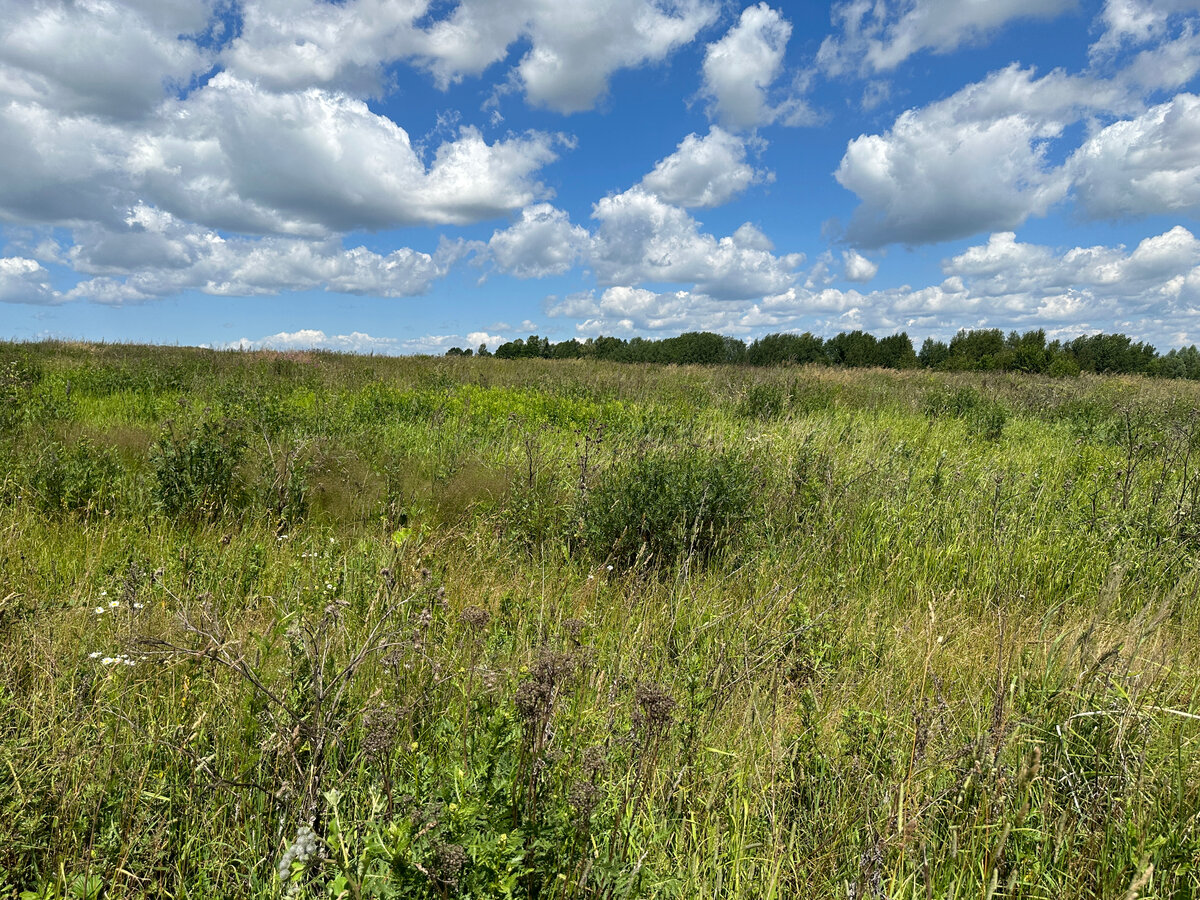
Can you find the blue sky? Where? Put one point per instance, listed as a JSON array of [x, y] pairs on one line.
[[400, 176]]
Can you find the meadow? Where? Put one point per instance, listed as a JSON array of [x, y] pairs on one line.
[[318, 625]]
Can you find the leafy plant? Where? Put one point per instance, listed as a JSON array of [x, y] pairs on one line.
[[194, 469], [664, 504]]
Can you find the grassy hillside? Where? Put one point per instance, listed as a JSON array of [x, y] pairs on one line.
[[330, 626]]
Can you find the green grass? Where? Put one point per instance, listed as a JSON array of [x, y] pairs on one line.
[[870, 634]]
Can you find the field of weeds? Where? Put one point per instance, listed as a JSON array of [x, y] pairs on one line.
[[324, 626]]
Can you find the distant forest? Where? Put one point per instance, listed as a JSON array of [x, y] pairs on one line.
[[969, 350]]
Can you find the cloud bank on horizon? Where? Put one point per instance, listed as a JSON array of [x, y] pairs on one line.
[[400, 176]]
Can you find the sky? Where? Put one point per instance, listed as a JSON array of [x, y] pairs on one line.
[[405, 176]]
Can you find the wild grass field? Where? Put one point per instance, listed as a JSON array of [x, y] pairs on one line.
[[324, 626]]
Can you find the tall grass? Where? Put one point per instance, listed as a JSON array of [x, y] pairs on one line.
[[351, 627]]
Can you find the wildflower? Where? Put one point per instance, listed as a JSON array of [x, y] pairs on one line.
[[96, 654], [107, 661], [104, 593], [99, 610], [608, 568], [129, 662], [303, 848], [113, 604], [139, 606]]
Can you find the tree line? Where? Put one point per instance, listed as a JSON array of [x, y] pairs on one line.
[[987, 349]]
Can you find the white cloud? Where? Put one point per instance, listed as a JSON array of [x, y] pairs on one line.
[[1152, 290], [363, 343], [59, 169], [1006, 267], [236, 157], [573, 48], [543, 242], [240, 158], [1136, 22], [740, 69], [292, 45], [976, 161], [577, 46], [878, 35], [642, 239], [24, 281], [933, 179], [157, 255], [857, 267], [99, 57], [1142, 166], [703, 171], [315, 339]]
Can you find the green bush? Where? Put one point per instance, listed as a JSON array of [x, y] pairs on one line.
[[194, 470], [984, 416], [944, 402], [78, 478], [663, 505], [763, 400], [18, 378]]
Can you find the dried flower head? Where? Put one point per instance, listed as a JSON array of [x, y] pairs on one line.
[[583, 797], [574, 627], [654, 707], [475, 617], [380, 731], [447, 864], [532, 699]]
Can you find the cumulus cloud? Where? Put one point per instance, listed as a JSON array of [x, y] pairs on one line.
[[304, 163], [1151, 290], [315, 339], [975, 161], [1136, 22], [857, 267], [741, 68], [573, 49], [703, 171], [986, 157], [293, 45], [60, 169], [361, 342], [94, 57], [948, 171], [577, 47], [878, 35], [236, 157], [24, 280], [157, 255], [543, 242], [642, 239], [1142, 166]]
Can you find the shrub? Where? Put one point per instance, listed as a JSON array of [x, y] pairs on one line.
[[194, 470], [946, 402], [18, 378], [763, 400], [985, 417], [662, 505], [76, 478]]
